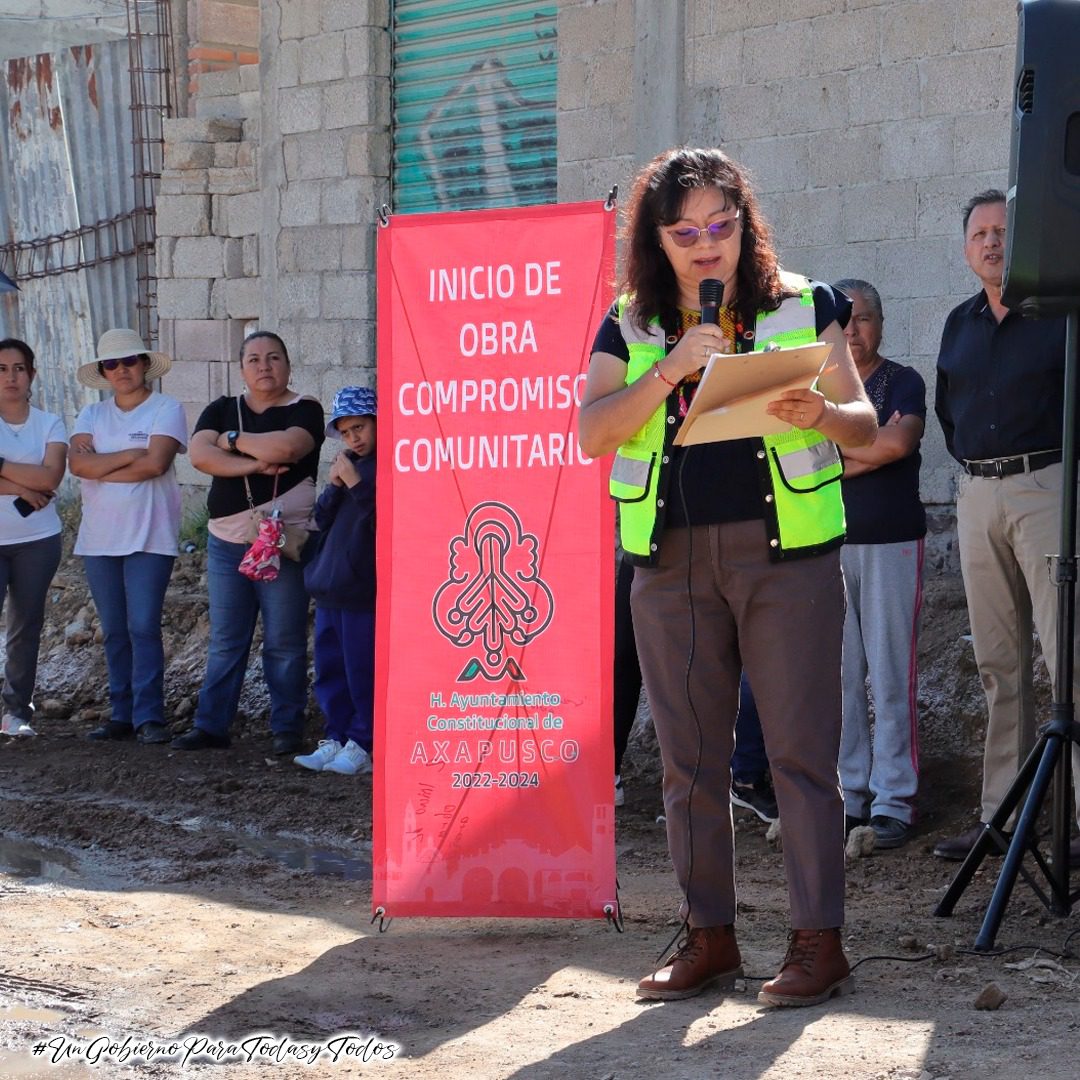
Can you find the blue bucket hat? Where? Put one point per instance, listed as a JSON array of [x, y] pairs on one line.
[[351, 401]]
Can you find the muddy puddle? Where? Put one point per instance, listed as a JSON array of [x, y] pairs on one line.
[[296, 855], [28, 859], [36, 1022]]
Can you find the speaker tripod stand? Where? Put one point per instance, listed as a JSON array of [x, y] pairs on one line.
[[1051, 759]]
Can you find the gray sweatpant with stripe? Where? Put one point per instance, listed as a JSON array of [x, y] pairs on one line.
[[879, 770]]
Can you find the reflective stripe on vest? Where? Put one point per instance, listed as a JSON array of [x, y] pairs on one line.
[[630, 472]]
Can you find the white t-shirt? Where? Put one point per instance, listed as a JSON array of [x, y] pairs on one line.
[[26, 445], [119, 518]]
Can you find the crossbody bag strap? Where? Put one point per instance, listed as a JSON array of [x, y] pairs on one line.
[[240, 428], [247, 485]]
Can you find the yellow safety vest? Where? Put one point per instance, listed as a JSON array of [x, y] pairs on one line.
[[799, 470]]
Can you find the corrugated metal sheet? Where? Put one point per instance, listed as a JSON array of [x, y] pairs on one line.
[[96, 92], [67, 162], [474, 104], [29, 27]]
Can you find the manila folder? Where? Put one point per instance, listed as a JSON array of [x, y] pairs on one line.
[[735, 388]]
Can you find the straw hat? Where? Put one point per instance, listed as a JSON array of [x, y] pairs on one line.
[[115, 345]]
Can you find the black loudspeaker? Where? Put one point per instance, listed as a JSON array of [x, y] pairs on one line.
[[1042, 248]]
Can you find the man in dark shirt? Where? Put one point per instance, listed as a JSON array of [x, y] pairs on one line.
[[999, 400]]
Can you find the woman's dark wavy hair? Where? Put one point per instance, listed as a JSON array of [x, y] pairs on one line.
[[656, 199], [22, 347], [265, 334]]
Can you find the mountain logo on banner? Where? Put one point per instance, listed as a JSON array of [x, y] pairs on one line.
[[494, 597]]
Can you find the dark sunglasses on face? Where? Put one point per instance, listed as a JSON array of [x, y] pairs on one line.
[[719, 230], [112, 365]]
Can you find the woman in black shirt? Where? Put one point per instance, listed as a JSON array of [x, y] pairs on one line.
[[262, 450]]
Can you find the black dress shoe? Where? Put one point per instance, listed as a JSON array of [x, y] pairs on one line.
[[153, 732], [197, 739], [112, 730], [287, 743], [957, 847]]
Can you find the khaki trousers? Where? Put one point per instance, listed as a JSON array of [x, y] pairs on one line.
[[1006, 529], [784, 623]]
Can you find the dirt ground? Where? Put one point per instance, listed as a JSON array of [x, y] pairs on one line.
[[203, 899]]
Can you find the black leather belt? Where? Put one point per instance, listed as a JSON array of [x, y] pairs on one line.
[[1010, 466]]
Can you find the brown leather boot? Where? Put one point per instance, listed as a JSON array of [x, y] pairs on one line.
[[814, 970], [708, 956]]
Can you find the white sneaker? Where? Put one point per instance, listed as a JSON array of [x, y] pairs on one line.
[[318, 759], [12, 725], [620, 795], [351, 759]]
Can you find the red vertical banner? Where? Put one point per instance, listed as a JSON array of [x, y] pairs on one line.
[[493, 744]]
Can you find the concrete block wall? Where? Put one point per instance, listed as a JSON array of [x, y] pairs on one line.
[[598, 98], [266, 206], [326, 152], [208, 225], [866, 123]]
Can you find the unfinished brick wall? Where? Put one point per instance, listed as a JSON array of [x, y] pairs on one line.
[[223, 35]]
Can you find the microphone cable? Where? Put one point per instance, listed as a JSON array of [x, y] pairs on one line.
[[710, 294], [684, 926]]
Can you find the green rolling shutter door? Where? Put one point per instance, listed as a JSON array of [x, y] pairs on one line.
[[474, 104]]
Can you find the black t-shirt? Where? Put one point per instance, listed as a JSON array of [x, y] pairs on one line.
[[717, 482], [227, 495], [883, 506]]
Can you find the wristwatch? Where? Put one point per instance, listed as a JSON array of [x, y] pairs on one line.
[[230, 438]]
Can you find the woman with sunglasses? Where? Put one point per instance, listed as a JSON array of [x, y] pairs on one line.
[[33, 447], [736, 553], [122, 449]]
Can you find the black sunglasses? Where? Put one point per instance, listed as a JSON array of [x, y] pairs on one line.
[[112, 365]]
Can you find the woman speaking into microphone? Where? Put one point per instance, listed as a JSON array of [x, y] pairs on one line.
[[736, 549]]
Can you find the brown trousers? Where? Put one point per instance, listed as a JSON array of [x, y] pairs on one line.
[[783, 622]]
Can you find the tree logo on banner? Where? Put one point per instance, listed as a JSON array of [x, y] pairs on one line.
[[494, 596]]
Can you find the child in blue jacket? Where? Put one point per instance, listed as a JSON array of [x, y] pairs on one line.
[[341, 580]]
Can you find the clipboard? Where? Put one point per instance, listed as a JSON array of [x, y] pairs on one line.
[[735, 388]]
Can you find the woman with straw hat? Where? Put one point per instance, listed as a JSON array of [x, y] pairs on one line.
[[122, 449]]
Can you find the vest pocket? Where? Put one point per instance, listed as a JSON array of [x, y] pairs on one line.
[[799, 471], [631, 475]]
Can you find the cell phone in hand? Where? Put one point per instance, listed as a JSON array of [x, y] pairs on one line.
[[24, 508]]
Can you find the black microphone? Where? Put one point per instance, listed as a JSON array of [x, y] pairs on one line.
[[710, 295]]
